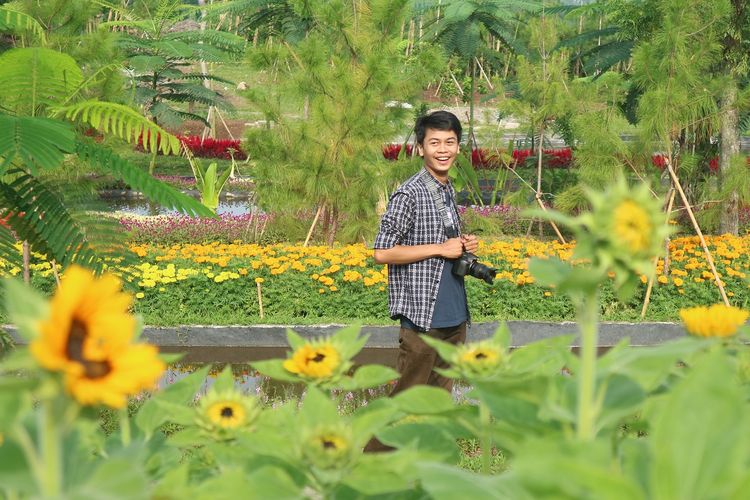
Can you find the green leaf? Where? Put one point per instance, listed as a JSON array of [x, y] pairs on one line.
[[549, 272], [445, 350], [622, 398], [25, 307], [368, 376], [225, 380], [158, 191], [39, 142], [14, 403], [36, 78], [115, 478], [274, 368], [20, 22], [151, 414], [294, 340], [318, 408], [426, 436], [123, 122], [445, 482], [424, 400], [699, 437]]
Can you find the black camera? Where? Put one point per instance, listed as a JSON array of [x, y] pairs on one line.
[[468, 264]]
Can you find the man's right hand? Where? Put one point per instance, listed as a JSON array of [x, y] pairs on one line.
[[452, 248]]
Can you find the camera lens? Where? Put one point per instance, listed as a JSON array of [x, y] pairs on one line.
[[482, 272]]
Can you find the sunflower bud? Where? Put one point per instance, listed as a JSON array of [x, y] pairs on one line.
[[224, 413], [328, 447]]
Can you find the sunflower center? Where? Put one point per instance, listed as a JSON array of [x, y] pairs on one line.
[[480, 355], [74, 351], [227, 412], [327, 444], [319, 357]]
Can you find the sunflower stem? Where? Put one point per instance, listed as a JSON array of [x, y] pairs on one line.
[[124, 427], [51, 449], [32, 457], [486, 439], [588, 310]]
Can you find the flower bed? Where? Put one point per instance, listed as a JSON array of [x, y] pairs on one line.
[[216, 282], [208, 147]]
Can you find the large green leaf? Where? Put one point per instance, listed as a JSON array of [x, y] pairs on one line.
[[699, 437], [35, 78], [444, 482], [37, 142]]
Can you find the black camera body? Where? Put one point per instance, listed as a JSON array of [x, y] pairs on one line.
[[468, 263]]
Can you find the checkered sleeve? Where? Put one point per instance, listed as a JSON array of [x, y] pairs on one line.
[[397, 221]]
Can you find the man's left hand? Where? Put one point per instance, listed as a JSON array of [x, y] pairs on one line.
[[470, 242]]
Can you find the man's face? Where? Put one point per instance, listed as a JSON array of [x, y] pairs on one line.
[[439, 150]]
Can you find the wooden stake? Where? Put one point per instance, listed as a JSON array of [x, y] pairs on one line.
[[314, 222], [26, 262], [651, 280], [554, 226], [55, 273], [698, 231], [260, 300]]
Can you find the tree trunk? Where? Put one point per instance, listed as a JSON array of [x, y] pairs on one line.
[[730, 147], [472, 145]]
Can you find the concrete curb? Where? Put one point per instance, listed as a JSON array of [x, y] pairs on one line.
[[240, 344]]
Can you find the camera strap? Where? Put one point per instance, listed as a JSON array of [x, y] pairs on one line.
[[451, 226]]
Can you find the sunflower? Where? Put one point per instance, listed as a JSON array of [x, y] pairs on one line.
[[715, 321], [481, 358], [328, 448], [224, 412], [314, 360], [632, 226], [88, 336]]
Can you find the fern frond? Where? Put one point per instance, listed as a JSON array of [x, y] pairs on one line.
[[36, 141], [587, 36], [124, 122], [136, 178], [49, 226], [605, 56], [220, 39], [18, 22], [173, 117], [33, 79], [8, 251], [200, 76]]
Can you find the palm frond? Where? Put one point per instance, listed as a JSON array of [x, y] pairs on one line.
[[173, 117], [201, 76], [39, 142], [124, 122], [19, 22], [136, 178]]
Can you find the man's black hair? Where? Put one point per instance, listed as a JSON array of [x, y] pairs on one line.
[[438, 120]]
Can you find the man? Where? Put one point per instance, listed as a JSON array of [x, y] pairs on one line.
[[423, 293]]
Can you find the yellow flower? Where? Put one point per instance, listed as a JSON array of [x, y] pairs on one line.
[[328, 448], [715, 321], [88, 338], [139, 295], [259, 280], [314, 361], [478, 358], [226, 414], [677, 281], [223, 412], [662, 279], [632, 225]]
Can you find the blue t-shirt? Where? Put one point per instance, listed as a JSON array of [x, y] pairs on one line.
[[451, 308]]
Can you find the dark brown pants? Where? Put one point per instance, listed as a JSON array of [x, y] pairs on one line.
[[415, 364]]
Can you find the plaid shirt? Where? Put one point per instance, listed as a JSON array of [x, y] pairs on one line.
[[413, 219]]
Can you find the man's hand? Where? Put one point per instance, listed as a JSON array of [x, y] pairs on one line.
[[470, 242], [452, 248]]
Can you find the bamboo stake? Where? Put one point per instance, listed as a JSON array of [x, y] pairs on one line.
[[260, 300], [651, 280], [709, 258], [554, 226], [26, 262], [314, 222], [55, 273]]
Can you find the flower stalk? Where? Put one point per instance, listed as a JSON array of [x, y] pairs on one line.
[[51, 450], [486, 440], [587, 312]]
